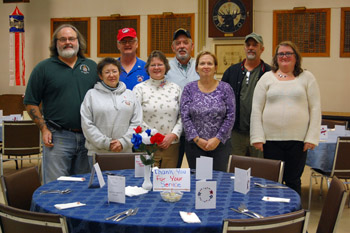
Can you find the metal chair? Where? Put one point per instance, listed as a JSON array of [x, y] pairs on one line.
[[116, 161], [265, 168], [13, 220], [295, 222], [333, 207], [18, 188], [340, 168], [20, 138]]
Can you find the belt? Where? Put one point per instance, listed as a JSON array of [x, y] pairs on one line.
[[74, 130]]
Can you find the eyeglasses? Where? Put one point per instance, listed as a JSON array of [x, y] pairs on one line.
[[124, 42], [156, 65], [247, 75], [287, 54], [70, 39], [108, 72]]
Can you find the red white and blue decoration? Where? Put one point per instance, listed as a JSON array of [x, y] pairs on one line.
[[17, 63]]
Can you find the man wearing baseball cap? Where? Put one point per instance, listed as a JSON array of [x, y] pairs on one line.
[[133, 68], [243, 77], [182, 69]]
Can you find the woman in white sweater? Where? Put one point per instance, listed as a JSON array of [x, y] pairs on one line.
[[160, 101], [109, 112], [286, 114]]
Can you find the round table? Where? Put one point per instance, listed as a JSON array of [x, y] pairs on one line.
[[154, 214]]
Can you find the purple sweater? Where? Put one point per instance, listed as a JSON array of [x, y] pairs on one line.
[[208, 115]]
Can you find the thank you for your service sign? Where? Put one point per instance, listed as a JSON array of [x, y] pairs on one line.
[[172, 179]]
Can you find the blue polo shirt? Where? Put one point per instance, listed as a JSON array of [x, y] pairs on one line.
[[137, 74]]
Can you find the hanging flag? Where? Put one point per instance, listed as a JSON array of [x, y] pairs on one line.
[[17, 63]]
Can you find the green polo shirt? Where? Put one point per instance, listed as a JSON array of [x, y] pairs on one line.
[[61, 89]]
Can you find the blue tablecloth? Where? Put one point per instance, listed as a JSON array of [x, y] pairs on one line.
[[322, 156], [154, 214]]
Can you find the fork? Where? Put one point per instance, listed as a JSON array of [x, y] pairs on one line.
[[118, 214], [270, 186], [56, 191], [242, 207], [128, 214]]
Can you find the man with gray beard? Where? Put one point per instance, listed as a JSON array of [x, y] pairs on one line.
[[243, 77], [182, 70], [60, 83]]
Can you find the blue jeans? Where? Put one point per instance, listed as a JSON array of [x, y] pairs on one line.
[[67, 157]]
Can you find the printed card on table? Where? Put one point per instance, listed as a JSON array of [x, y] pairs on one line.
[[242, 180], [204, 168], [139, 167], [205, 194], [324, 132], [172, 179], [116, 189], [96, 169]]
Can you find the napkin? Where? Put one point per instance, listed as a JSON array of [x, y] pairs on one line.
[[68, 178], [189, 217], [68, 205], [131, 191], [276, 199]]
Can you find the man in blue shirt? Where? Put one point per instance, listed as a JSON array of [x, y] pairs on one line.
[[182, 70], [133, 68]]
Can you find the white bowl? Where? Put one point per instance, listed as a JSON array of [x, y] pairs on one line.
[[169, 196]]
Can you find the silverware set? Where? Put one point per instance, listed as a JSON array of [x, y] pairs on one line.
[[122, 215], [270, 186], [242, 209], [56, 191]]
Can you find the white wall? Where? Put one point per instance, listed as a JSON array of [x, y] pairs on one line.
[[330, 72]]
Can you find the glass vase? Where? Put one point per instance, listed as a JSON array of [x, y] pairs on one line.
[[147, 184]]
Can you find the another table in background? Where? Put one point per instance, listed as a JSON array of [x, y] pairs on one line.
[[154, 214]]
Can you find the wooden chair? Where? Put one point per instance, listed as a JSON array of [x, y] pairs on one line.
[[295, 222], [18, 188], [264, 168], [13, 220], [331, 123], [340, 168], [20, 138], [333, 207], [12, 104], [116, 161]]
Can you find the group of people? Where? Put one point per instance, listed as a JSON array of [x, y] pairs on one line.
[[256, 110]]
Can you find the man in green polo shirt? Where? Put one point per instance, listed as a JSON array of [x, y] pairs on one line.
[[60, 84]]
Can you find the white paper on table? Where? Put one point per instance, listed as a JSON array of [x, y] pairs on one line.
[[189, 217], [340, 129], [204, 168], [69, 178], [205, 195], [68, 205], [116, 189], [242, 180], [131, 191], [324, 132], [276, 199], [139, 167], [101, 181]]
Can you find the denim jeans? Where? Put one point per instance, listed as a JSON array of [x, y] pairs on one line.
[[67, 157]]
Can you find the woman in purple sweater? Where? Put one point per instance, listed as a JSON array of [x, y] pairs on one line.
[[208, 114]]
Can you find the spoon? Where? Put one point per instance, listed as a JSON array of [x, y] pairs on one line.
[[244, 209], [270, 186]]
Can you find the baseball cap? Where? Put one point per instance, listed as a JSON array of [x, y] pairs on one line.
[[256, 37], [181, 31], [126, 32]]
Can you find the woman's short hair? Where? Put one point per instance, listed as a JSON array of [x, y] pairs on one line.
[[108, 61], [161, 56], [80, 37], [297, 68], [201, 54]]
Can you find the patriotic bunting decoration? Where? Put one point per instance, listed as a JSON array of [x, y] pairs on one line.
[[17, 63]]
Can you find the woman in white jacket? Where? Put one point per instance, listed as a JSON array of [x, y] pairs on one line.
[[109, 112]]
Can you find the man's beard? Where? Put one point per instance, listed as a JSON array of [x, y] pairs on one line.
[[250, 55], [182, 57], [68, 53]]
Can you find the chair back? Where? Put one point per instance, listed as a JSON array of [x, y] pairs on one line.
[[15, 220], [20, 138], [333, 207], [332, 123], [18, 188], [295, 222], [11, 104], [341, 163], [264, 168], [116, 161]]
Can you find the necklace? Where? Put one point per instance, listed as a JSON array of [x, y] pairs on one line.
[[282, 75]]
